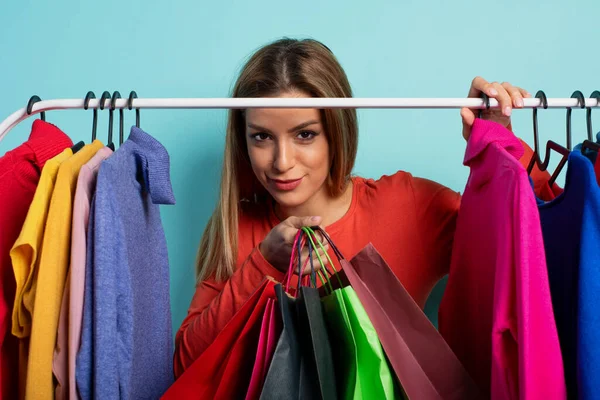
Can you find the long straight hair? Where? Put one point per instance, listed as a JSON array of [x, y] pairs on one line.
[[279, 67]]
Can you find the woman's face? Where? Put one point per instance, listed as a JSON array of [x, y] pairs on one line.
[[288, 151]]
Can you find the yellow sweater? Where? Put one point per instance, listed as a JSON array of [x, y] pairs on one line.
[[52, 271], [24, 256]]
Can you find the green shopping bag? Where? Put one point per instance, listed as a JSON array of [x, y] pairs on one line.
[[361, 368]]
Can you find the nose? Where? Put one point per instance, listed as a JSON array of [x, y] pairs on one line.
[[283, 159]]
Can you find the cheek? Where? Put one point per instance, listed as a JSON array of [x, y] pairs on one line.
[[317, 156], [259, 160]]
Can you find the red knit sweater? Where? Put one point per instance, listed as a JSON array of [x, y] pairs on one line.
[[19, 174]]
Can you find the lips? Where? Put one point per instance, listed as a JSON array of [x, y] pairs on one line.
[[285, 185]]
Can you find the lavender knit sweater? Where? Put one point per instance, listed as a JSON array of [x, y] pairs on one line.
[[127, 344]]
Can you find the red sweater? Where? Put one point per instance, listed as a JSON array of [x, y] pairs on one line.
[[19, 174], [411, 221]]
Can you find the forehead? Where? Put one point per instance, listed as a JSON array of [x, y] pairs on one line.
[[281, 117]]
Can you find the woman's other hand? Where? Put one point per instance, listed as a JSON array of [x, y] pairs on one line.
[[508, 96]]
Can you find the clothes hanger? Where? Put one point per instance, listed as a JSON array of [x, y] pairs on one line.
[[581, 104], [550, 145], [133, 95], [113, 101], [103, 98], [86, 103], [34, 99], [565, 152], [590, 143], [535, 159]]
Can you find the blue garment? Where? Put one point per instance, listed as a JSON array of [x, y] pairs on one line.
[[591, 154], [127, 344], [571, 230]]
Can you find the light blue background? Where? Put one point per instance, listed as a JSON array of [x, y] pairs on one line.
[[432, 48]]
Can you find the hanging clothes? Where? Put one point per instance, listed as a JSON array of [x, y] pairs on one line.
[[25, 258], [69, 330], [52, 273], [19, 175], [571, 229], [126, 341], [496, 313]]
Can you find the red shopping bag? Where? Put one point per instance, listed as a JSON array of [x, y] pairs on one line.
[[224, 369], [271, 330], [269, 334]]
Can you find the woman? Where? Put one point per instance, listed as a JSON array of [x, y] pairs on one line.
[[288, 168]]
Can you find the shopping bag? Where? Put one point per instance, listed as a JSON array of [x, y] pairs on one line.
[[269, 335], [362, 370], [237, 374], [315, 342], [302, 366], [360, 366], [313, 330], [228, 360], [283, 377], [423, 361]]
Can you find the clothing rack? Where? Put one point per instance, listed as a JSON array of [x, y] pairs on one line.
[[188, 103]]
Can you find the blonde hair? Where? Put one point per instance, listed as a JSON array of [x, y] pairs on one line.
[[282, 66]]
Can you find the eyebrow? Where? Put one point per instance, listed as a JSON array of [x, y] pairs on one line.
[[302, 125]]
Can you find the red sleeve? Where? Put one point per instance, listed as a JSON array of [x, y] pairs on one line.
[[213, 306], [436, 208]]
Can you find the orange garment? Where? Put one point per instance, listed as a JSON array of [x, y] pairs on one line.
[[411, 221]]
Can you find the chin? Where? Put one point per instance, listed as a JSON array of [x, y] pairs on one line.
[[289, 199]]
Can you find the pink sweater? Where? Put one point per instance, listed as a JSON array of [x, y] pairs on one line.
[[496, 313]]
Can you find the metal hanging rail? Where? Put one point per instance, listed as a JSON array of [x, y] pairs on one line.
[[188, 103]]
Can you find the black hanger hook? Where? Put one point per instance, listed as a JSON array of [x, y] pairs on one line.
[[133, 95], [581, 104], [486, 100], [536, 139], [105, 96], [595, 95], [34, 99], [116, 95], [86, 104], [550, 145]]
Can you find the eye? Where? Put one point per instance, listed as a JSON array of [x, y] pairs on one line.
[[259, 136], [306, 135]]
